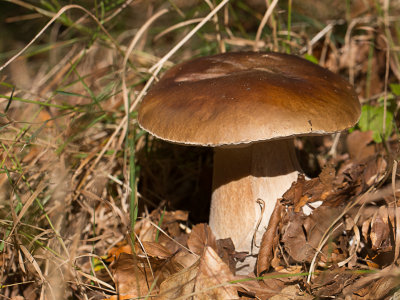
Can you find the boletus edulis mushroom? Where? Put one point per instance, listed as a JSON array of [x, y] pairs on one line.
[[248, 106]]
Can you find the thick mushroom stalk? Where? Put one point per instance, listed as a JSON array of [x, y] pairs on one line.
[[242, 176]]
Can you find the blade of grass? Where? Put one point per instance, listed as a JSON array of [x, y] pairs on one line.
[[289, 25], [133, 207], [87, 88], [10, 100], [32, 7], [19, 206], [27, 204], [63, 107], [159, 224], [53, 19]]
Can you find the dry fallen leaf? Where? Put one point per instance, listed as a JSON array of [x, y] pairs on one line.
[[132, 276], [157, 250], [179, 284], [213, 278], [292, 292], [201, 237], [359, 144], [208, 278], [380, 229], [379, 285], [146, 231], [140, 276], [269, 240], [262, 289], [332, 283]]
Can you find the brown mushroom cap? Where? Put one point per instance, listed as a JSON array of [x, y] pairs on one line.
[[244, 97]]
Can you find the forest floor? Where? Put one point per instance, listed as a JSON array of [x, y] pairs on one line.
[[92, 207]]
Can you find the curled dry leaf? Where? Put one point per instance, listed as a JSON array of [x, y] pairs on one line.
[[332, 283], [226, 251], [202, 236], [117, 250], [325, 188], [146, 231], [269, 240], [175, 216], [377, 234], [302, 234], [262, 289], [208, 278], [380, 229], [213, 279], [273, 284], [380, 285], [292, 292], [137, 276], [383, 288], [157, 250], [132, 276], [359, 144], [179, 284], [151, 249]]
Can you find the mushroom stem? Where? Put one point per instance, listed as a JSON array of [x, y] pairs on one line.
[[242, 175]]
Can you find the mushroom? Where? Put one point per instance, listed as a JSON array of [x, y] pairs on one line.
[[248, 106]]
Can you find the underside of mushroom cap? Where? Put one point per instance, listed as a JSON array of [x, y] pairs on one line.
[[246, 97]]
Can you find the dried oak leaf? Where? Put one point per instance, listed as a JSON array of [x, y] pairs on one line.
[[331, 283], [303, 233], [208, 278], [272, 284], [292, 292], [226, 251], [151, 249], [326, 188], [360, 175], [261, 289], [384, 288], [202, 236], [380, 230], [146, 231], [134, 275], [380, 285], [359, 144], [179, 284], [157, 250], [270, 240], [171, 222], [115, 252]]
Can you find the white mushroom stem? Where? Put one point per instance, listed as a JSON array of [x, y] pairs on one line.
[[242, 175]]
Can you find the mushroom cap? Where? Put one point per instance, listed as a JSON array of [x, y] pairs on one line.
[[245, 97]]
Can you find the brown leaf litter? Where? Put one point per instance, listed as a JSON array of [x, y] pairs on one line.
[[327, 223]]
